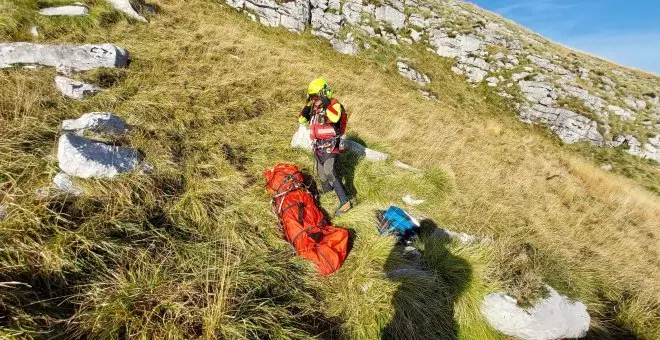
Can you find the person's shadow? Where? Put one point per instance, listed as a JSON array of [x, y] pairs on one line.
[[430, 283]]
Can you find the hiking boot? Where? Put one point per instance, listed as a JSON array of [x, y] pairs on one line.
[[343, 208]]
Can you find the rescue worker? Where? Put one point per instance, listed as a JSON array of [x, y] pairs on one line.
[[327, 119]]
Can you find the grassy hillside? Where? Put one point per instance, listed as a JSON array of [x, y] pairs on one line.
[[192, 249]]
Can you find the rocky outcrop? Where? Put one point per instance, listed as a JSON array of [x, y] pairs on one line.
[[64, 11], [485, 51], [568, 125], [75, 89], [412, 74], [555, 317], [126, 7], [85, 158], [98, 123], [76, 58]]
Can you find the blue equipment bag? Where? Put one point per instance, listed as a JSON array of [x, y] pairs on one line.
[[395, 221]]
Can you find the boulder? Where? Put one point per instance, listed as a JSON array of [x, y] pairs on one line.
[[391, 15], [125, 7], [75, 89], [3, 212], [462, 45], [64, 11], [102, 123], [295, 15], [85, 158], [325, 24], [77, 58], [351, 11], [64, 185], [412, 74], [555, 317]]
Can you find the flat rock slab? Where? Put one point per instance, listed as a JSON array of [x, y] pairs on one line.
[[411, 201], [104, 123], [75, 89], [65, 11], [301, 139], [555, 317], [125, 7], [76, 58], [85, 158]]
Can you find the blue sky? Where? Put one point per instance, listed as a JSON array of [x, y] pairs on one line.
[[626, 32]]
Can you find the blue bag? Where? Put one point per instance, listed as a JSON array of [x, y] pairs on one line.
[[395, 221]]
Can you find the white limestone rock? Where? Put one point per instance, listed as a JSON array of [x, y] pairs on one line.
[[301, 139], [64, 11], [391, 15], [345, 47], [77, 58], [351, 11], [493, 81], [535, 91], [35, 32], [64, 185], [368, 154], [75, 89], [125, 7], [591, 101], [409, 200], [325, 24], [624, 114], [555, 317], [85, 158], [518, 76], [102, 123], [568, 125], [412, 74]]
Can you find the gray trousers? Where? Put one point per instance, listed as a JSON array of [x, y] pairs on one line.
[[328, 176]]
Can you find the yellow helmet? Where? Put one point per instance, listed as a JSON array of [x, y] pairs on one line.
[[316, 86]]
